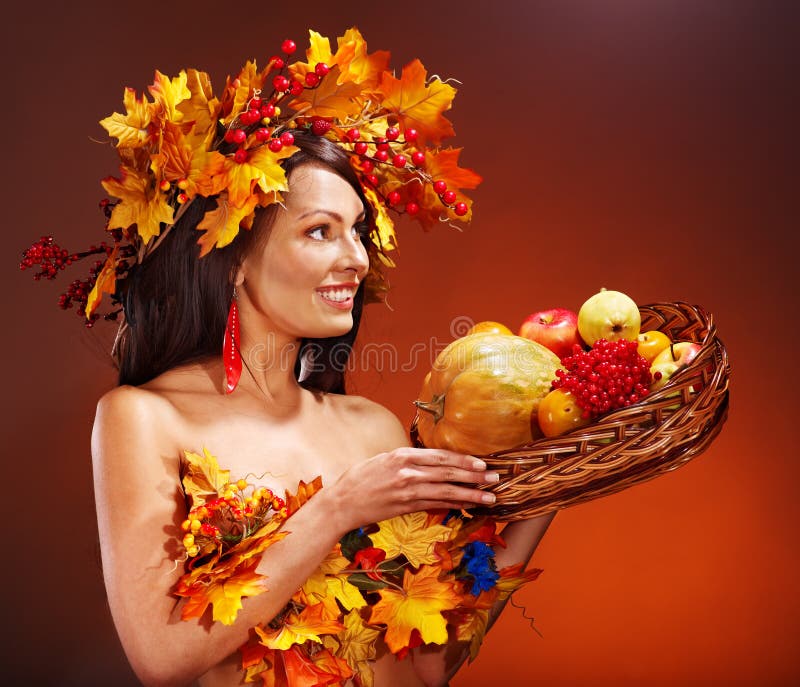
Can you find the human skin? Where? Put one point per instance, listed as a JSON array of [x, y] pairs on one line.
[[276, 433]]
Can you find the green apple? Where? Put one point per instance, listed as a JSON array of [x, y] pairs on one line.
[[609, 315]]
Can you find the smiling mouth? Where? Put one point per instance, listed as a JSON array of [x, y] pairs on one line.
[[340, 298]]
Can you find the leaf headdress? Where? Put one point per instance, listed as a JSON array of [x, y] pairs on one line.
[[179, 142]]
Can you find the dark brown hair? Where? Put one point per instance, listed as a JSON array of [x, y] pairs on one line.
[[176, 303]]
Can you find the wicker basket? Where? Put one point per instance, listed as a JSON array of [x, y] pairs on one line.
[[626, 446]]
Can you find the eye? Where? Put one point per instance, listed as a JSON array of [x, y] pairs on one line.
[[318, 233]]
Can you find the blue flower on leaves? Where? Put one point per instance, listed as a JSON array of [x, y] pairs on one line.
[[479, 563]]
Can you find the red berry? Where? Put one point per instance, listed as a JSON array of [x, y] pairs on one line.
[[372, 179], [275, 145], [239, 136], [399, 161], [249, 117], [353, 134], [268, 110], [262, 134], [367, 166], [382, 155], [255, 103], [296, 88], [288, 46], [392, 133], [393, 198], [287, 138], [280, 83], [418, 158], [412, 208], [449, 197], [439, 186], [240, 155], [321, 68], [411, 135], [461, 209], [360, 148], [383, 145], [319, 127], [229, 135], [277, 61]]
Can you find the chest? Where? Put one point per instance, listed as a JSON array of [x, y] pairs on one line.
[[277, 451]]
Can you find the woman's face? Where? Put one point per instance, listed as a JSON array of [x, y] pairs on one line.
[[303, 278]]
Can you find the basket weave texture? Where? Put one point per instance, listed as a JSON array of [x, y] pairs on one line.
[[623, 447]]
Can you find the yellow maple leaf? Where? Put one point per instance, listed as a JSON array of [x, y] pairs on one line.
[[297, 628], [140, 204], [410, 535], [222, 224], [329, 99], [202, 477], [357, 646], [226, 597], [174, 157], [105, 283], [201, 107], [417, 607], [417, 103], [131, 128], [361, 67], [169, 93], [472, 629], [383, 236], [262, 169]]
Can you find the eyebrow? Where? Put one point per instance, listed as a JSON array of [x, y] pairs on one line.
[[330, 213]]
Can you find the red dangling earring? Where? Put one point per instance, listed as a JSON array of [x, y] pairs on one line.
[[230, 348]]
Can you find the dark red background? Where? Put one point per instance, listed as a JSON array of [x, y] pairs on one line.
[[641, 146]]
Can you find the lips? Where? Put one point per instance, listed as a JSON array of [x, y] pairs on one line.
[[338, 295]]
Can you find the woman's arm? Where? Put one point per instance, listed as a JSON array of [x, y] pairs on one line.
[[140, 505]]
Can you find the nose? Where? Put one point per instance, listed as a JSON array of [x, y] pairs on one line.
[[355, 257]]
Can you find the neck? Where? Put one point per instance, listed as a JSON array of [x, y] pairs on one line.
[[268, 362]]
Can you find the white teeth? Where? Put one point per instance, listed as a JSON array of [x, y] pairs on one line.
[[339, 296]]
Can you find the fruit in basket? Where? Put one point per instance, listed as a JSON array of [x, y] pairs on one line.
[[609, 315], [556, 328], [559, 413], [490, 327], [610, 375], [651, 343], [483, 393], [670, 360]]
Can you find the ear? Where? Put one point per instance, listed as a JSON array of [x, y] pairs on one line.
[[238, 276]]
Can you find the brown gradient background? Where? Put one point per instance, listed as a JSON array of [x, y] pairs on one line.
[[642, 146]]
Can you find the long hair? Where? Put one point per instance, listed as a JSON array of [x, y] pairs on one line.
[[176, 303]]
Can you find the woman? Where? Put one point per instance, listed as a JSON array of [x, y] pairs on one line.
[[309, 168]]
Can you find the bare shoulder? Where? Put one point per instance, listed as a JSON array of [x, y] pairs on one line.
[[380, 426]]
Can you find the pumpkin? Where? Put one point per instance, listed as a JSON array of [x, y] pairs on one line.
[[483, 393]]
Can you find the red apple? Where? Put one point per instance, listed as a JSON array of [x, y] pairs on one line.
[[557, 329]]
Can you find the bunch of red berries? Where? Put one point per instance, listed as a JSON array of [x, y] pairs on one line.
[[223, 522], [610, 375]]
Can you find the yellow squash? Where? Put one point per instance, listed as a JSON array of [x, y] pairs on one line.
[[483, 393]]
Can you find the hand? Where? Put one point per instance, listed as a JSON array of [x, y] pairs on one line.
[[407, 480]]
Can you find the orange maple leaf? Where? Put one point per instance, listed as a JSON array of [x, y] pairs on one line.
[[221, 225], [329, 99], [140, 204], [105, 283], [302, 495], [512, 578], [321, 670], [419, 104], [131, 128], [417, 607], [297, 628]]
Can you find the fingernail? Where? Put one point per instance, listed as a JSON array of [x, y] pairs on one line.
[[492, 477], [489, 498], [478, 464]]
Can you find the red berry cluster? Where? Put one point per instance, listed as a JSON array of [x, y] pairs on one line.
[[610, 375], [224, 521]]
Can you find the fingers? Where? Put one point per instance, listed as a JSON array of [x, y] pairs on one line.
[[445, 459], [450, 493]]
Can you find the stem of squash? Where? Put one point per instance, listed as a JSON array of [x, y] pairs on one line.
[[435, 407]]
